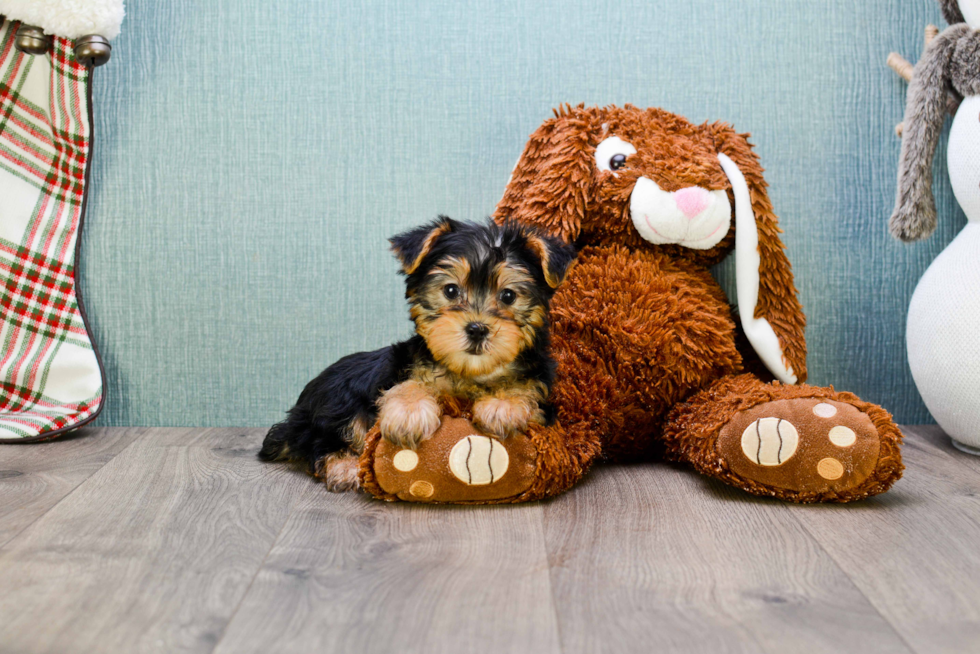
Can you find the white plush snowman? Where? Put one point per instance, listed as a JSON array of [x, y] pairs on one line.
[[943, 335]]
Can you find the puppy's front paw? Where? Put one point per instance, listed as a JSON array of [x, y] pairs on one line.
[[408, 414], [503, 416], [338, 471]]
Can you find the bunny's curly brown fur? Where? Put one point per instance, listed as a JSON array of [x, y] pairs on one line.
[[647, 347], [651, 358]]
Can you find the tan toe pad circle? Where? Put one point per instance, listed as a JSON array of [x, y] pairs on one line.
[[842, 436], [405, 461], [824, 410], [422, 489], [830, 469]]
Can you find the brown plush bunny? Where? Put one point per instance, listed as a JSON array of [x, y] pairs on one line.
[[652, 359]]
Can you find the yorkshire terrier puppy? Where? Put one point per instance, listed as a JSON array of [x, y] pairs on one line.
[[478, 296]]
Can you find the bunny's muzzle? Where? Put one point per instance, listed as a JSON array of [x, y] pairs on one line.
[[693, 217]]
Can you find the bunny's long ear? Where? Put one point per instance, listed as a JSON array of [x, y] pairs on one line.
[[771, 315], [914, 217], [551, 183]]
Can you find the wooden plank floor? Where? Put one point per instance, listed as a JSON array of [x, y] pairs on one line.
[[167, 540]]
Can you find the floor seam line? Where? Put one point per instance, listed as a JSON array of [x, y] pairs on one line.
[[76, 487], [258, 569], [854, 583], [551, 585], [935, 447]]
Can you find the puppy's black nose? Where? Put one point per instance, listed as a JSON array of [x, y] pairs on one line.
[[477, 331]]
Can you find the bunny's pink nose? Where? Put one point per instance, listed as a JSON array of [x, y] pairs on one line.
[[691, 201]]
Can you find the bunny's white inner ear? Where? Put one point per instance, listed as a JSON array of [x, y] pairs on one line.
[[758, 330]]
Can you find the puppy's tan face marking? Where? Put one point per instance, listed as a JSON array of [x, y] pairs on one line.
[[474, 322]]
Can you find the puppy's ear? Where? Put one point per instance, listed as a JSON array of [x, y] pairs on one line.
[[556, 257], [771, 315], [412, 246], [551, 184]]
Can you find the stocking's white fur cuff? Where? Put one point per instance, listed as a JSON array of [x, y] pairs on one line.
[[68, 18]]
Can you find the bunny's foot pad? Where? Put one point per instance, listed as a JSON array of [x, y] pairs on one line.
[[814, 445], [458, 464]]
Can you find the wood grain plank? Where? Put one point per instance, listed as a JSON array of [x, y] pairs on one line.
[[167, 547], [152, 553], [914, 551], [937, 437], [656, 558], [350, 574], [34, 477]]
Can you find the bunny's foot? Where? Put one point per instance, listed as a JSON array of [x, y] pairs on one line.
[[461, 464], [797, 443]]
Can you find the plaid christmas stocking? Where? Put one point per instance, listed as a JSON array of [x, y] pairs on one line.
[[51, 377]]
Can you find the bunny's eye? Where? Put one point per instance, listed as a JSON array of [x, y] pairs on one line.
[[612, 153]]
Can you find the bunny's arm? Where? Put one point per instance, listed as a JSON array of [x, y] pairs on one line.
[[914, 217]]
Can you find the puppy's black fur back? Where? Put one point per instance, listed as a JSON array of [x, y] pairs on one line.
[[317, 424]]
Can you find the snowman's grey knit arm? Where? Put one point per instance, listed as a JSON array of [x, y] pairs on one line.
[[951, 11], [914, 217]]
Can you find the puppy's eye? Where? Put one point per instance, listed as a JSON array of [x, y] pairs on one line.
[[507, 296], [451, 291], [612, 153]]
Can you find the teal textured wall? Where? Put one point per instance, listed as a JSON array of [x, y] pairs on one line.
[[252, 157]]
